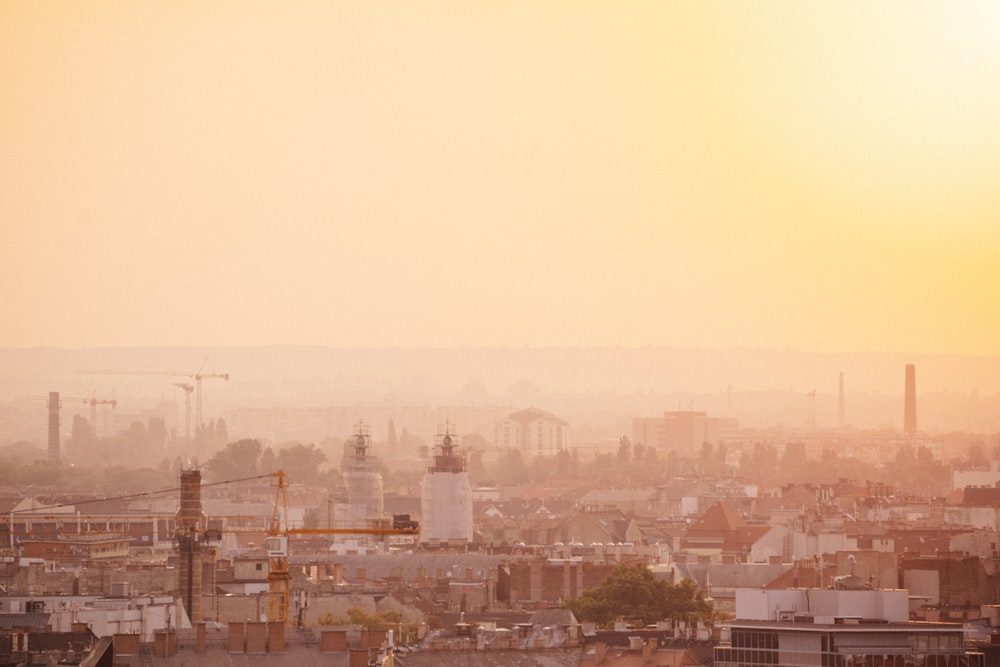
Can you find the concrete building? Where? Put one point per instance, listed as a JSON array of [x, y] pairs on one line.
[[799, 627], [446, 496], [533, 431]]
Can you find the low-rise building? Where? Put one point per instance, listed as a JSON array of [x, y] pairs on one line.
[[800, 627]]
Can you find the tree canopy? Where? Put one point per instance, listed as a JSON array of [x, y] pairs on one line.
[[633, 592], [238, 460]]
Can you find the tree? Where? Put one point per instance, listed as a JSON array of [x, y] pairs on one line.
[[794, 461], [632, 591], [268, 461], [624, 449], [300, 462], [238, 460], [80, 431], [156, 434]]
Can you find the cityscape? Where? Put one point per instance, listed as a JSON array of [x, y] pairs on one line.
[[537, 334]]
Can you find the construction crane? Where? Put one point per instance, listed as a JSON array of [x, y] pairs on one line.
[[276, 546], [198, 377], [93, 401], [187, 408]]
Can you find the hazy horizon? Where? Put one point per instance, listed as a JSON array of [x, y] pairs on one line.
[[544, 175], [627, 370]]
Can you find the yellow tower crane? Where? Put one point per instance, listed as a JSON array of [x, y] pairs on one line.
[[276, 546]]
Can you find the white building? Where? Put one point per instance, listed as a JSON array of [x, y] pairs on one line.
[[533, 431], [446, 496], [961, 479], [365, 490], [800, 627]]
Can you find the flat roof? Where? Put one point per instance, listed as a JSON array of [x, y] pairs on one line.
[[860, 626]]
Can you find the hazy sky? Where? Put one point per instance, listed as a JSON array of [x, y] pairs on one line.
[[820, 175]]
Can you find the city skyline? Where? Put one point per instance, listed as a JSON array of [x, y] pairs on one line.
[[815, 177]]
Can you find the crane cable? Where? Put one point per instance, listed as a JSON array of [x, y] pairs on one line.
[[135, 495]]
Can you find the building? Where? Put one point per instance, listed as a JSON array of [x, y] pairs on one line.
[[446, 496], [963, 479], [78, 548], [365, 495], [533, 431], [683, 431], [721, 534], [799, 627]]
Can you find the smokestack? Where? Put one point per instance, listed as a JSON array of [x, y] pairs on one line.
[[910, 402], [840, 402], [54, 426], [190, 542]]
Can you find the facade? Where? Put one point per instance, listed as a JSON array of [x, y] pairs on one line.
[[75, 548], [836, 628], [365, 495], [962, 479], [684, 431], [533, 431], [446, 496]]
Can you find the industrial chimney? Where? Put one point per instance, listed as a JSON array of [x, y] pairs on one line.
[[910, 402], [191, 543]]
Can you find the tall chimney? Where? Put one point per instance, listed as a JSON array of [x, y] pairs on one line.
[[54, 426], [190, 543], [910, 402], [840, 402]]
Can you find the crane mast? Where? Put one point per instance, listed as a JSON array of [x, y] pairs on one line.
[[187, 408], [276, 545]]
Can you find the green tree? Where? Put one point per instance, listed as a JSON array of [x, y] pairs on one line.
[[238, 460], [632, 591], [300, 462], [380, 620]]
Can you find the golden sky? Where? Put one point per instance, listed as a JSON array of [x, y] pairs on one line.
[[819, 175]]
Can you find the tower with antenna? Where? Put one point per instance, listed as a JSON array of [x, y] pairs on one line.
[[365, 493], [446, 494]]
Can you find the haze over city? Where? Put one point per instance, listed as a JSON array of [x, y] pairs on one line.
[[562, 334]]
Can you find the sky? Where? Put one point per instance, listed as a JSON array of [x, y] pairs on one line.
[[821, 176]]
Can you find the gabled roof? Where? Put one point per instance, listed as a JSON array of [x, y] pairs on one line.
[[720, 527], [718, 517], [33, 506], [615, 496]]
